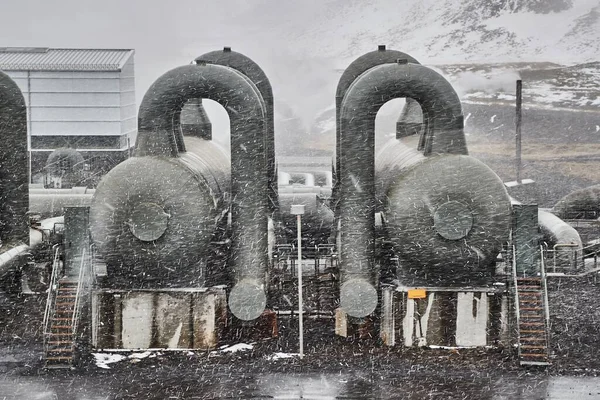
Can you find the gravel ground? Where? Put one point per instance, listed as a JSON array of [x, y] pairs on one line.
[[333, 367]]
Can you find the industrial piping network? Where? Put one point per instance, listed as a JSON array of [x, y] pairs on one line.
[[356, 209]]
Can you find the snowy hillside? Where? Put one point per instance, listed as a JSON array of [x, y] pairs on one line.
[[444, 31]]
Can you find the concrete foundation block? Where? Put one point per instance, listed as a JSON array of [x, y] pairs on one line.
[[148, 319]]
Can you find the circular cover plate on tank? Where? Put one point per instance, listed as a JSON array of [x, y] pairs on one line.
[[148, 221], [453, 220]]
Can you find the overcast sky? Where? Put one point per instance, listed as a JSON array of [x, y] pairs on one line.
[[302, 45]]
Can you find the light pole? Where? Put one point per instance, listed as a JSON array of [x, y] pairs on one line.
[[298, 210]]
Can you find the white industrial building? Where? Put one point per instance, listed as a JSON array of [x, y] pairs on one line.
[[82, 99]]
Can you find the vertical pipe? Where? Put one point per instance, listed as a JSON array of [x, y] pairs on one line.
[[518, 129], [29, 152]]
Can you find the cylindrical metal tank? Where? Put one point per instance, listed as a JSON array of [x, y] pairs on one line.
[[14, 182], [446, 216], [64, 169], [153, 218], [357, 205], [580, 204], [249, 178]]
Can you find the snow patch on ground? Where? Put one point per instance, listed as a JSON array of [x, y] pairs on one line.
[[279, 356], [237, 347], [104, 359]]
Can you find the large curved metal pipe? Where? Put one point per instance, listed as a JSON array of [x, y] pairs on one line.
[[577, 204], [14, 162], [358, 295], [248, 170], [254, 72], [557, 231], [354, 70]]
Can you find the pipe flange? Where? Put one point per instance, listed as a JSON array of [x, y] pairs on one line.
[[247, 300], [358, 298]]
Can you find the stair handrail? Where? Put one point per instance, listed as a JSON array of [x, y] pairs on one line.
[[76, 306], [546, 305], [516, 295], [53, 285], [93, 272]]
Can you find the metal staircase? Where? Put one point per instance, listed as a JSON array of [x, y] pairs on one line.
[[60, 343], [531, 307], [62, 316]]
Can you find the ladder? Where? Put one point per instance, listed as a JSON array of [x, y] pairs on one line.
[[531, 306], [60, 343]]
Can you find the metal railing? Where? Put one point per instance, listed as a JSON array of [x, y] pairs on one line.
[[544, 279], [53, 286], [570, 260]]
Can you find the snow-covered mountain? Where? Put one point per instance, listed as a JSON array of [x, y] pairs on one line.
[[508, 36], [439, 31]]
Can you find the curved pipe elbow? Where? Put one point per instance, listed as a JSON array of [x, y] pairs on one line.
[[557, 231], [432, 91], [172, 90]]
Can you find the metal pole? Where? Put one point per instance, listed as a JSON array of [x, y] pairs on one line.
[[300, 316], [518, 128]]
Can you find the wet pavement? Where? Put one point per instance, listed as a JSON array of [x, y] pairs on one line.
[[146, 383]]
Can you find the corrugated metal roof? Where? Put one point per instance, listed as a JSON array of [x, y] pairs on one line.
[[46, 59]]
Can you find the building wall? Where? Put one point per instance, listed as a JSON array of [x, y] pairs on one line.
[[128, 114], [90, 111]]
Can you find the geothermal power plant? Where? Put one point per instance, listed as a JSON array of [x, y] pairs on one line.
[[184, 245]]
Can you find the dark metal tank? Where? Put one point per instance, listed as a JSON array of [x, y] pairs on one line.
[[194, 121], [64, 169], [446, 215], [153, 218], [580, 204]]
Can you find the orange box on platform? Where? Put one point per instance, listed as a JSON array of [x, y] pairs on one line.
[[417, 294]]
